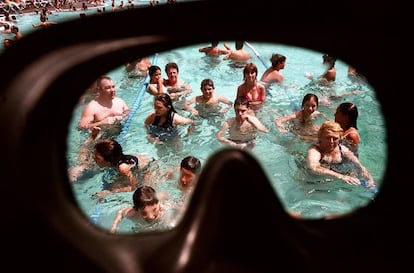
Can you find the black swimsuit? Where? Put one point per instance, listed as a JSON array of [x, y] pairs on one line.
[[164, 132]]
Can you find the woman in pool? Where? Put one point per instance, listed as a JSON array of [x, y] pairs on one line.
[[346, 115], [304, 120], [156, 84], [129, 168], [162, 123], [328, 157], [251, 89]]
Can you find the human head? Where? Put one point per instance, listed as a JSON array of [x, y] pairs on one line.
[[14, 29], [277, 59], [107, 152], [154, 69], [106, 86], [207, 87], [329, 135], [347, 114], [163, 104], [328, 60], [172, 72], [8, 42], [249, 69], [189, 169], [146, 203], [310, 103], [214, 43], [241, 106]]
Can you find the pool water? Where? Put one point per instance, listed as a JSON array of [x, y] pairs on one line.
[[282, 156]]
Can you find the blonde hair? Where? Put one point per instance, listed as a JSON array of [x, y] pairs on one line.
[[330, 125]]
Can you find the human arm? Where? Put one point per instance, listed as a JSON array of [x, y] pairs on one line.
[[158, 88], [221, 135], [84, 156], [313, 163], [188, 107], [350, 156], [225, 101], [253, 120], [119, 216], [180, 120], [280, 121]]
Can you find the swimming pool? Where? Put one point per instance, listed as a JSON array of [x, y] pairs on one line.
[[282, 156]]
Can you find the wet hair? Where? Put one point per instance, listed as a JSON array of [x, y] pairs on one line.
[[214, 43], [144, 196], [277, 59], [239, 44], [250, 67], [152, 69], [168, 66], [329, 59], [308, 97], [241, 101], [166, 101], [110, 150], [207, 82], [192, 164], [351, 111]]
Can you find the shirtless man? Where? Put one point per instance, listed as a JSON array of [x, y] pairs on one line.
[[239, 54], [44, 22], [241, 129], [272, 74], [214, 50], [208, 102], [106, 110], [176, 88]]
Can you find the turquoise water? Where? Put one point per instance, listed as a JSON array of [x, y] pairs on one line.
[[282, 156]]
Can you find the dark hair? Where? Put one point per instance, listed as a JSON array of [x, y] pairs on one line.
[[152, 69], [241, 101], [239, 44], [349, 109], [110, 150], [192, 164], [144, 196], [207, 82], [277, 59], [168, 66], [166, 101], [329, 59], [308, 96], [248, 68]]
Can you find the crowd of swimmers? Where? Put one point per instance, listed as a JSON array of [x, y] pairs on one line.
[[331, 142]]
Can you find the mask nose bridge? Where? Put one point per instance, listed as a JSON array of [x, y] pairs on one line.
[[233, 215]]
